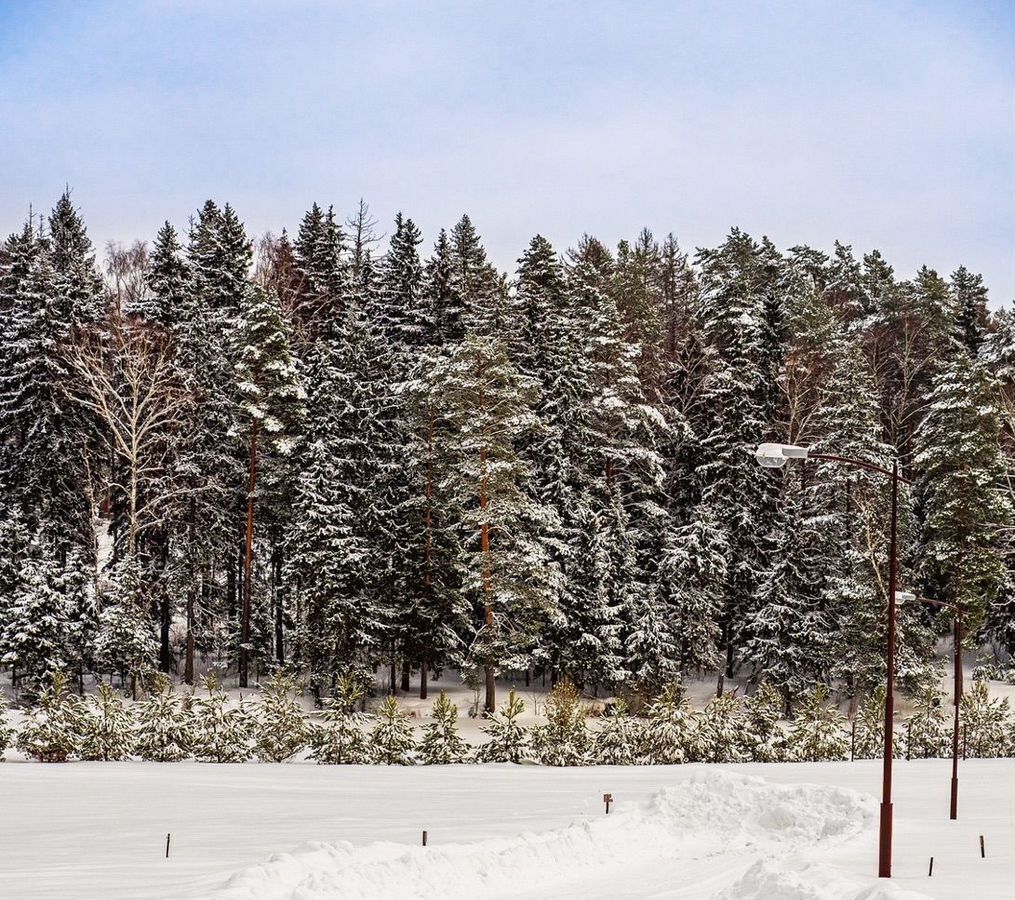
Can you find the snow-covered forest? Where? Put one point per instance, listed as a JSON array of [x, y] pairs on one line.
[[352, 450]]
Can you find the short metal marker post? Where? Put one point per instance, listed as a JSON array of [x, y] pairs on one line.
[[607, 799], [167, 845], [424, 838]]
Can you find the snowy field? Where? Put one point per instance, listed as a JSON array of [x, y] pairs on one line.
[[96, 831]]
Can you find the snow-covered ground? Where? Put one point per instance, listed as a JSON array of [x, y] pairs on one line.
[[306, 832]]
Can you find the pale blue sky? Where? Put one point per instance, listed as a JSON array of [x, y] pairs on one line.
[[881, 124]]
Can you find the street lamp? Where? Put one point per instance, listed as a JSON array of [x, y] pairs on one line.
[[774, 456], [956, 611]]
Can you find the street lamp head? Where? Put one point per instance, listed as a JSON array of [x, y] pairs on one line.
[[904, 597], [774, 456]]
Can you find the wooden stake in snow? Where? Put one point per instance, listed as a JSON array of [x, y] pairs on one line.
[[983, 852], [424, 838], [167, 845], [607, 799], [930, 871]]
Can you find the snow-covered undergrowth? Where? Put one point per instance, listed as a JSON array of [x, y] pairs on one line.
[[708, 815]]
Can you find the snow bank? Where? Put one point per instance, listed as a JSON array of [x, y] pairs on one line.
[[710, 814], [782, 880]]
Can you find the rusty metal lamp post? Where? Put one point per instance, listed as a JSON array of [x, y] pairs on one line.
[[774, 456], [956, 612]]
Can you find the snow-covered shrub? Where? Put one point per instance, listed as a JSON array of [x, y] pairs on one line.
[[340, 738], [51, 730], [763, 738], [818, 731], [280, 725], [6, 731], [392, 741], [163, 727], [928, 731], [668, 730], [442, 744], [509, 740], [564, 740], [719, 733], [986, 722], [221, 732], [106, 727], [619, 741]]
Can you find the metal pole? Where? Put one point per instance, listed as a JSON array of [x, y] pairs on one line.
[[885, 834], [954, 813]]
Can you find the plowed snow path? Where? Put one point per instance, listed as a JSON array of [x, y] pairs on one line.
[[97, 830]]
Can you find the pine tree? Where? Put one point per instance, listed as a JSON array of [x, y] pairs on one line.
[[164, 725], [488, 409], [720, 730], [763, 736], [441, 743], [564, 740], [669, 727], [340, 738], [619, 740], [221, 733], [392, 741], [279, 725], [106, 732], [870, 727], [929, 732], [270, 395], [817, 733], [986, 722], [509, 740], [51, 730]]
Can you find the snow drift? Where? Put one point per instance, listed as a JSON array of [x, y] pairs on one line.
[[709, 814]]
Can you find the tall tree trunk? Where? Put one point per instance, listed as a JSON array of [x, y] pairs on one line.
[[423, 674], [193, 588], [490, 704], [276, 581], [248, 561], [427, 542], [405, 676]]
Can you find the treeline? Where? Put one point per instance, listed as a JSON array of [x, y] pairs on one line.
[[168, 726], [330, 454]]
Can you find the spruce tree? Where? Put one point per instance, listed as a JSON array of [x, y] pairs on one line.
[[509, 740], [125, 643], [167, 279], [392, 742], [279, 725], [972, 316], [961, 469], [106, 727], [441, 743], [78, 285]]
